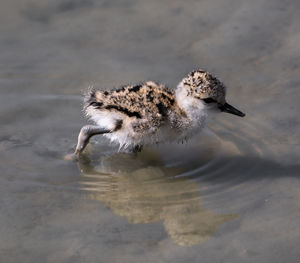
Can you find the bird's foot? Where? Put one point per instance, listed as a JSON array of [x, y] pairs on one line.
[[71, 157]]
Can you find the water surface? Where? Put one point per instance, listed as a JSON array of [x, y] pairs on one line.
[[229, 195]]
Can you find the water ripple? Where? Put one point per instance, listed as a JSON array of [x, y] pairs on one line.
[[191, 188]]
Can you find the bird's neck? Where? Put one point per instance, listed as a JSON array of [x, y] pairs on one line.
[[194, 109]]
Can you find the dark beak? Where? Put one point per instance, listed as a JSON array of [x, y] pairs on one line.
[[230, 109]]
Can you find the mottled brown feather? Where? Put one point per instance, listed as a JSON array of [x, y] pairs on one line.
[[201, 84], [149, 100]]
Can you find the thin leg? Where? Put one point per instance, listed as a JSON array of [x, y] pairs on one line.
[[85, 134], [138, 148]]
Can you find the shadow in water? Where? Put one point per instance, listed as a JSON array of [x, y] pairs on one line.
[[141, 189], [171, 186]]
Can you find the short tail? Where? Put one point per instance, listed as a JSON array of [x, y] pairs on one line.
[[89, 97]]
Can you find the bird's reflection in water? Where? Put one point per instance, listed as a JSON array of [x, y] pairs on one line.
[[143, 190]]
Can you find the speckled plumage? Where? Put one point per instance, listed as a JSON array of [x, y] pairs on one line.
[[201, 84], [140, 109], [149, 100], [149, 112]]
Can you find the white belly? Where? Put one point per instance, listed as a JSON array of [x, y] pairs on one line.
[[127, 137]]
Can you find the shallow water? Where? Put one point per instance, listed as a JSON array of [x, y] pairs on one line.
[[231, 194]]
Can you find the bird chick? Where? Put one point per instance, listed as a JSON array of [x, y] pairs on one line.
[[151, 113]]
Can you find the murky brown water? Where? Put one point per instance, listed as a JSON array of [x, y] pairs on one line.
[[229, 195]]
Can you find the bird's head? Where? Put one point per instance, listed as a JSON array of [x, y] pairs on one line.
[[202, 90]]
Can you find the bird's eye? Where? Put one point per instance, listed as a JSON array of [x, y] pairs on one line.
[[209, 100]]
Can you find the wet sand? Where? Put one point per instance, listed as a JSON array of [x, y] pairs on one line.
[[229, 195]]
